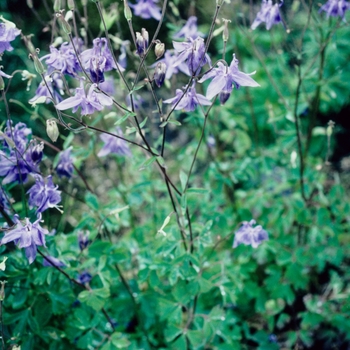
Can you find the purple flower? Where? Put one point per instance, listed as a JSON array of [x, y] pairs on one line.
[[224, 78], [84, 277], [189, 100], [63, 60], [4, 202], [170, 59], [146, 9], [55, 84], [193, 53], [91, 102], [189, 30], [8, 32], [28, 236], [335, 8], [249, 235], [269, 13], [83, 240], [44, 194], [114, 145], [53, 262], [16, 154], [37, 152], [98, 60], [159, 73], [65, 164]]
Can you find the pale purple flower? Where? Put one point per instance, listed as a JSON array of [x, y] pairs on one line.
[[51, 261], [146, 9], [16, 162], [171, 59], [62, 59], [193, 53], [65, 164], [8, 32], [189, 30], [91, 102], [27, 235], [122, 59], [98, 60], [114, 145], [225, 78], [269, 14], [108, 86], [84, 277], [249, 235], [188, 101], [44, 194], [335, 8], [55, 84], [4, 202]]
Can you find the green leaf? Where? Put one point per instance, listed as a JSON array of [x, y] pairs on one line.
[[91, 201], [124, 118], [95, 298]]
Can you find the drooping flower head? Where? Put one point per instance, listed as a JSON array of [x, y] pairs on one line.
[[98, 60], [8, 33], [225, 78], [189, 30], [89, 102], [146, 9], [114, 145], [43, 194], [335, 8], [193, 53], [269, 14], [189, 100], [27, 235], [249, 235], [65, 164], [16, 154]]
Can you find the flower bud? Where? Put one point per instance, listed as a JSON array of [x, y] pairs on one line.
[[2, 84], [64, 24], [38, 65], [330, 127], [52, 130], [71, 5], [225, 31], [142, 41], [57, 5], [159, 73], [127, 11], [159, 49], [30, 4]]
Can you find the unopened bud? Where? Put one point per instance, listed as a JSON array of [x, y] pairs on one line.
[[37, 152], [2, 84], [225, 31], [159, 73], [71, 5], [57, 5], [142, 41], [39, 67], [127, 11], [84, 2], [30, 4], [159, 49], [52, 130], [330, 128], [64, 24]]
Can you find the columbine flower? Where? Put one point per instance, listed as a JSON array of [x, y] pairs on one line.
[[83, 240], [91, 102], [142, 40], [8, 32], [55, 84], [170, 59], [98, 60], [335, 8], [159, 74], [65, 164], [189, 100], [28, 236], [63, 60], [269, 13], [37, 152], [50, 261], [16, 155], [249, 235], [44, 194], [146, 9], [224, 78], [193, 52], [189, 30], [114, 145]]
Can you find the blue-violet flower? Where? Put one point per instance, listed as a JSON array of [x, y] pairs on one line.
[[269, 14], [65, 164], [146, 9], [114, 145], [249, 235], [335, 8], [8, 32]]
